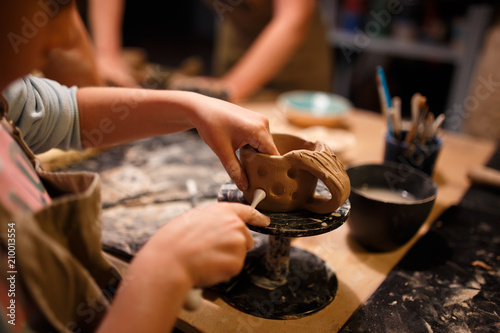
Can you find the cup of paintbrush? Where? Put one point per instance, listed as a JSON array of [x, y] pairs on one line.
[[415, 142]]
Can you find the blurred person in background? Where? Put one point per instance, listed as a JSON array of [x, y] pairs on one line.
[[280, 44]]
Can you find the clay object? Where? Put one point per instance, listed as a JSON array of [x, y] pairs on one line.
[[290, 179]]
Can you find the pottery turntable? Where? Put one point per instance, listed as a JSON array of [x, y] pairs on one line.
[[280, 281]]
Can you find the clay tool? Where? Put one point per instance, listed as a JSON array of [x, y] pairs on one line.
[[258, 196], [193, 297], [396, 117]]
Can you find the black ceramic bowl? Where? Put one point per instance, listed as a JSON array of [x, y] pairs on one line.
[[389, 203]]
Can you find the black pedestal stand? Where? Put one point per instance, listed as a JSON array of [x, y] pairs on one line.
[[280, 281]]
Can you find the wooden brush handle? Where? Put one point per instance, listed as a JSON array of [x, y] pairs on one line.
[[485, 176]]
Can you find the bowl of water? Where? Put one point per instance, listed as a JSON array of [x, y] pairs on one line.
[[389, 204]]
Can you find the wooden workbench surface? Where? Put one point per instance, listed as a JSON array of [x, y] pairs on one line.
[[359, 272]]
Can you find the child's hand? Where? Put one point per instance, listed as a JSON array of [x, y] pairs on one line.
[[200, 248], [208, 243], [226, 127]]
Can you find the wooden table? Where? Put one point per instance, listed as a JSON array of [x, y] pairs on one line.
[[359, 272]]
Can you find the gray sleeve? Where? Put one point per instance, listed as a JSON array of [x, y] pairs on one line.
[[46, 113]]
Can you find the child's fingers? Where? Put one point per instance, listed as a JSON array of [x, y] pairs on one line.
[[250, 215]]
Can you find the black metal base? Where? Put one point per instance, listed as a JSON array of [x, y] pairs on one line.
[[310, 285]]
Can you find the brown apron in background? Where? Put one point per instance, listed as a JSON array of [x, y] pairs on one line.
[[481, 106], [59, 261], [310, 68]]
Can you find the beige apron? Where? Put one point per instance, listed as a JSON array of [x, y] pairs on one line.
[[310, 68], [58, 251]]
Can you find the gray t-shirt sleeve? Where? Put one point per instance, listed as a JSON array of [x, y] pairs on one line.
[[46, 112]]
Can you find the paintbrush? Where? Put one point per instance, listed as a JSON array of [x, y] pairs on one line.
[[437, 124], [415, 114], [396, 124], [419, 113], [427, 133], [385, 96], [396, 117], [415, 102], [381, 96], [422, 115]]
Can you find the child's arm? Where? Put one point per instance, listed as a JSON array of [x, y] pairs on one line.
[[110, 116], [203, 247]]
